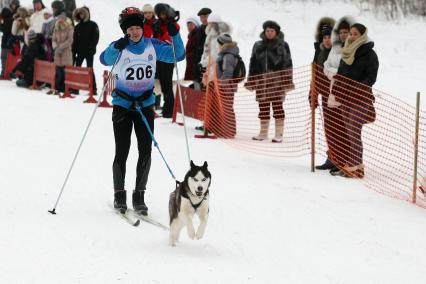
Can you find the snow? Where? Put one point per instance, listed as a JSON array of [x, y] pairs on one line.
[[271, 220]]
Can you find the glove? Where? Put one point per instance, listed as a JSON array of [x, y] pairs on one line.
[[172, 28], [59, 50], [122, 43]]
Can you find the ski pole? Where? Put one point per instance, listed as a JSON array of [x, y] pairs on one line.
[[53, 211], [181, 102]]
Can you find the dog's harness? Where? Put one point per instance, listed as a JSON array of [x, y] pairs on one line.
[[185, 195]]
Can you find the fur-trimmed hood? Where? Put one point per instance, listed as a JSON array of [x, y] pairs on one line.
[[83, 10], [215, 29], [231, 46], [335, 35], [21, 12], [322, 22]]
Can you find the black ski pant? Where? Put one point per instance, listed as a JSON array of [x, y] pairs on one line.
[[60, 78], [123, 122], [165, 75], [89, 63]]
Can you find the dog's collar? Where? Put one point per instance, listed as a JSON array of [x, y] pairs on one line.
[[195, 206]]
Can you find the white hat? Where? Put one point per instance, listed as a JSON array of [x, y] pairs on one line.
[[147, 8], [194, 21], [214, 18]]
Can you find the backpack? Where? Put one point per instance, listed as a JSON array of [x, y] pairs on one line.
[[239, 70]]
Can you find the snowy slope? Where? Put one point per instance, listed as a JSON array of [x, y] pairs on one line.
[[271, 221]]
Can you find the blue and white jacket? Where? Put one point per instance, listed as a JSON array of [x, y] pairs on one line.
[[135, 66]]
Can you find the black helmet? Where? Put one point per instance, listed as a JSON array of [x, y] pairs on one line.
[[130, 16]]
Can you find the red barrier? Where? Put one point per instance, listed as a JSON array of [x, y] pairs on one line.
[[191, 101], [79, 78], [44, 71], [11, 62], [109, 85]]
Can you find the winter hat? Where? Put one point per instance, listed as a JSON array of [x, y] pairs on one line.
[[204, 11], [272, 25], [224, 38], [15, 2], [57, 7], [31, 35], [147, 8], [130, 16], [215, 18], [194, 21], [47, 11], [326, 30], [161, 8], [344, 24]]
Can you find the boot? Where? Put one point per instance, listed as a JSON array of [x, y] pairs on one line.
[[279, 129], [138, 200], [263, 134], [328, 165], [120, 201]]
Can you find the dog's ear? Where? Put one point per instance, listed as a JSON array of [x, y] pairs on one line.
[[192, 164], [205, 165]]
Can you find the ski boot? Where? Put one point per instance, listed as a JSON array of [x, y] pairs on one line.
[[120, 201], [138, 200]]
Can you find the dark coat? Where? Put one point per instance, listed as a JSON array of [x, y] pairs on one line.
[[322, 83], [268, 57], [34, 51], [353, 85], [199, 49], [6, 26], [86, 33], [191, 65]]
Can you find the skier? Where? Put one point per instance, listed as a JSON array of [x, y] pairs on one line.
[[133, 58]]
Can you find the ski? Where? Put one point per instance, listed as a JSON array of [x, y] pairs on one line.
[[125, 216], [147, 219]]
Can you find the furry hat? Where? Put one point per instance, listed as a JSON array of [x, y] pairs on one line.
[[194, 21], [325, 21], [204, 11], [132, 20], [344, 23], [15, 2], [147, 8], [272, 25], [215, 18], [224, 38], [57, 7], [79, 11]]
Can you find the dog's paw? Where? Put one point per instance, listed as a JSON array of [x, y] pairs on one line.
[[199, 234], [191, 234]]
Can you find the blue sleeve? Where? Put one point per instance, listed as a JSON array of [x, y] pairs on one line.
[[164, 50], [109, 55]]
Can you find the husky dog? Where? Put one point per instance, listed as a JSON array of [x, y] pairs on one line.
[[190, 196]]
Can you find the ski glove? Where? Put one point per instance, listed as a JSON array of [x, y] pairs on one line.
[[122, 43], [172, 28]]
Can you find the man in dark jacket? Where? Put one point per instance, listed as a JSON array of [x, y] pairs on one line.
[[86, 38], [24, 70], [270, 58], [201, 39], [6, 21]]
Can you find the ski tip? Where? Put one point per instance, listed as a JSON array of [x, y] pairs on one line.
[[137, 223]]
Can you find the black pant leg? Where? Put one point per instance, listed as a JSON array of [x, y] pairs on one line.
[[60, 78], [144, 146], [165, 74], [89, 61], [122, 124]]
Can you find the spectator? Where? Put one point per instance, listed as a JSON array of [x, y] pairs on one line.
[[47, 31], [148, 25], [358, 73], [24, 70], [6, 21], [271, 58], [165, 15], [14, 5], [338, 136], [62, 46], [211, 50], [193, 26], [70, 6], [225, 65], [201, 39], [20, 26], [86, 38], [37, 18]]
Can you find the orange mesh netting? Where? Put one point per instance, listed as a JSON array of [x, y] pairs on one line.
[[368, 134]]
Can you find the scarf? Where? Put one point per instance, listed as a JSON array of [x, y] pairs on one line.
[[348, 51]]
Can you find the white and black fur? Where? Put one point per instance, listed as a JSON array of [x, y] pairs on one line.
[[190, 196]]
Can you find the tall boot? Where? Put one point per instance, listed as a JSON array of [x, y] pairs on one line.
[[263, 134], [138, 201], [120, 201], [279, 130]]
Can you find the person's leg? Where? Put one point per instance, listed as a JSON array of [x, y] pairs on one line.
[[278, 109], [264, 116], [144, 161], [3, 61], [60, 78], [122, 124], [166, 81], [89, 61]]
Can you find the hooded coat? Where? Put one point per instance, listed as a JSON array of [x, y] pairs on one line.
[[268, 57], [62, 42], [318, 35], [86, 33]]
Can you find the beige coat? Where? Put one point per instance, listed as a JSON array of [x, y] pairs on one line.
[[62, 42]]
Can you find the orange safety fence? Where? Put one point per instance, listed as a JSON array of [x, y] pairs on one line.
[[191, 100], [11, 61], [44, 71], [368, 134], [79, 78]]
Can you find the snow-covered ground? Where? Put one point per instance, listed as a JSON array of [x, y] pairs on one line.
[[271, 220]]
